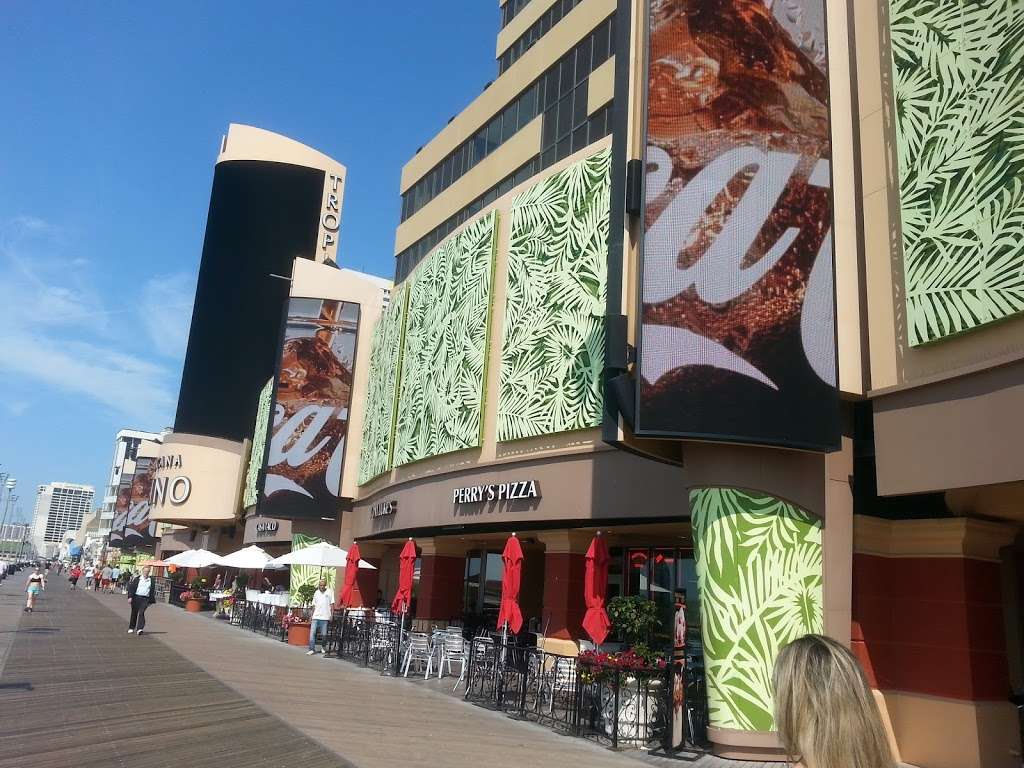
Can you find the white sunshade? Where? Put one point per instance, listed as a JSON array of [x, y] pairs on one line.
[[194, 558], [323, 555], [250, 558]]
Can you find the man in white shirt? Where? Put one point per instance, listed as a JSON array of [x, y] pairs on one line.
[[323, 602], [142, 594], [89, 572]]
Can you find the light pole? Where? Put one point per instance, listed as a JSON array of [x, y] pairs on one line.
[[9, 485]]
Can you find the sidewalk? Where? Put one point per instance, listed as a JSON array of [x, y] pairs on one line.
[[375, 721]]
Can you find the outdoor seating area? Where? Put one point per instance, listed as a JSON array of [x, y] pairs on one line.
[[633, 698]]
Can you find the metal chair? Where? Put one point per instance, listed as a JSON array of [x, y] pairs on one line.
[[418, 649], [562, 681], [453, 648]]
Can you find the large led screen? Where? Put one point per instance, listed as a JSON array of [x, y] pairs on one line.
[[310, 413], [738, 325], [139, 530], [122, 507]]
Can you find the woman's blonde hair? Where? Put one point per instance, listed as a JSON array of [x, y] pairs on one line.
[[824, 710]]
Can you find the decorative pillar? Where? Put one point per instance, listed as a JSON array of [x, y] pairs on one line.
[[564, 570], [439, 595]]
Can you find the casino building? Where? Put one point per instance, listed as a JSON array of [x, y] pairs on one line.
[[676, 275], [269, 268]]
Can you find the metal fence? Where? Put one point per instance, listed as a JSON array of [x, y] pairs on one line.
[[365, 640], [615, 707]]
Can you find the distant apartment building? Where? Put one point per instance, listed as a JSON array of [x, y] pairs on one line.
[[59, 508]]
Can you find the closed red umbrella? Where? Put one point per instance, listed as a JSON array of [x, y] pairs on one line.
[[351, 571], [595, 588], [512, 557], [406, 566]]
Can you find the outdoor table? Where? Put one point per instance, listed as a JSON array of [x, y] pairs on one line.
[[278, 599]]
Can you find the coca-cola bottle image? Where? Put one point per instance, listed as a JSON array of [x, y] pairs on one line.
[[738, 323]]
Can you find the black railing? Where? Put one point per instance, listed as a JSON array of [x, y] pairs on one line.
[[616, 707], [365, 640]]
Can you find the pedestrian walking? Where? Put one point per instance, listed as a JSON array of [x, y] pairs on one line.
[[36, 583], [74, 575], [89, 571], [105, 576], [142, 594], [97, 578], [322, 607], [824, 710], [115, 578]]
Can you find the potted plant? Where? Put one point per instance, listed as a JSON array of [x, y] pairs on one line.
[[296, 622], [637, 670], [193, 600], [297, 627]]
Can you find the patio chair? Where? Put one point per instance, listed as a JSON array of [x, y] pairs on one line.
[[418, 650], [453, 648], [563, 681]]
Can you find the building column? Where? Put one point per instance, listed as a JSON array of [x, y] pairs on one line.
[[928, 630], [564, 571], [439, 595]]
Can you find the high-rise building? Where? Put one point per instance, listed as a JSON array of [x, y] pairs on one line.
[[59, 508]]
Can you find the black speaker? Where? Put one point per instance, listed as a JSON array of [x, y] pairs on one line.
[[622, 389], [634, 187]]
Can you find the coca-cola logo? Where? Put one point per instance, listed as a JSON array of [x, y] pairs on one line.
[[299, 439], [724, 272]]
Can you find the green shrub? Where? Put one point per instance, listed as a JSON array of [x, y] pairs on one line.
[[634, 619]]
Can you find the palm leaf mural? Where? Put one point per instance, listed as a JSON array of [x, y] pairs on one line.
[[552, 349], [444, 355], [307, 574], [375, 453], [958, 80], [759, 571]]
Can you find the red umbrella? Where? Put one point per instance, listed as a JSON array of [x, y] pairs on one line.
[[406, 566], [595, 587], [512, 557], [351, 571]]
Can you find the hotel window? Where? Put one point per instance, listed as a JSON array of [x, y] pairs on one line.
[[559, 10], [510, 10], [572, 69]]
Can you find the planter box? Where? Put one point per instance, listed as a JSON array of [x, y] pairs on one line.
[[298, 634], [193, 606]]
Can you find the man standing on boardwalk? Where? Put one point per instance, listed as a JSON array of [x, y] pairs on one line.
[[322, 607], [142, 594]]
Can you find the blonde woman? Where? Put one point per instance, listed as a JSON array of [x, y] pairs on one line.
[[824, 710]]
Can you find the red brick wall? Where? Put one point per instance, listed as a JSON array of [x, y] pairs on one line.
[[440, 591], [563, 595], [931, 625]]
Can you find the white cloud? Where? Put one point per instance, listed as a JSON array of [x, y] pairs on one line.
[[16, 407], [165, 311], [127, 385], [57, 331]]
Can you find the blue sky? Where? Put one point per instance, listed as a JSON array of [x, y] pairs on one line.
[[112, 115]]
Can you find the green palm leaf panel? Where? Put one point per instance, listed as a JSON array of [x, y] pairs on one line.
[[444, 357], [375, 453], [958, 81], [307, 574], [552, 349], [759, 572]]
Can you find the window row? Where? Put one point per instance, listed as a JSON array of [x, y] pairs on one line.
[[510, 10], [561, 78], [596, 127], [535, 32]]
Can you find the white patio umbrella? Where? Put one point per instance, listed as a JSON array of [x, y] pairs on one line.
[[250, 558], [194, 558], [323, 555]]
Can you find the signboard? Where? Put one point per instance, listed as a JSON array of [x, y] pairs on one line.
[[139, 530], [737, 336], [310, 412], [478, 494], [384, 508], [122, 506]]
